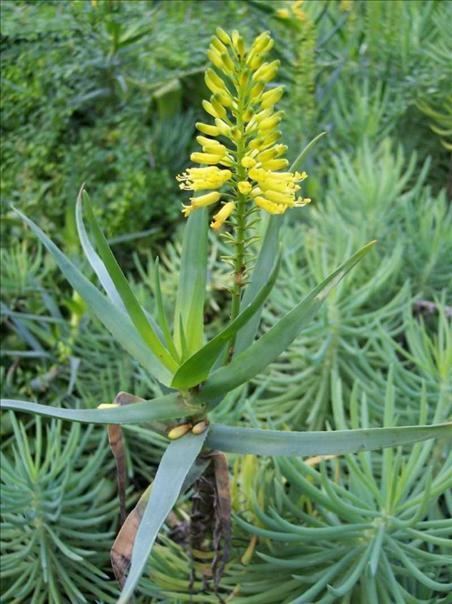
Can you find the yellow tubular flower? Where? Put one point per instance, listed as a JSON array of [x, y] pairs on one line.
[[220, 217], [207, 129], [206, 158], [271, 97], [241, 156], [205, 200]]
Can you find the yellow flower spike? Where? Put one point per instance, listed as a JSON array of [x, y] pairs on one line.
[[244, 164], [220, 217], [179, 431], [244, 187], [271, 97]]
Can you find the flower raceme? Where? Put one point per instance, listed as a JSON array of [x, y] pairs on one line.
[[241, 159]]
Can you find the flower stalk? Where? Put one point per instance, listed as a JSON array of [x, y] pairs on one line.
[[241, 161]]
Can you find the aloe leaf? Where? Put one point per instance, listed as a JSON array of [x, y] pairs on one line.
[[338, 442], [93, 258], [189, 310], [113, 319], [176, 463], [197, 367], [261, 353], [161, 314], [170, 406], [121, 284], [99, 267], [300, 157]]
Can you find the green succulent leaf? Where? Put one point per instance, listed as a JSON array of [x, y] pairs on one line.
[[259, 355], [112, 318], [189, 311], [197, 367], [277, 442], [93, 258], [174, 467], [166, 407], [121, 285]]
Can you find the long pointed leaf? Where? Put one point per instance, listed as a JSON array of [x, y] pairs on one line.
[[121, 284], [113, 319], [99, 267], [259, 355], [170, 406], [189, 311], [93, 258], [196, 368], [172, 471], [276, 442]]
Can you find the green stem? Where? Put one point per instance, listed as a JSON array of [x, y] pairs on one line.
[[240, 223]]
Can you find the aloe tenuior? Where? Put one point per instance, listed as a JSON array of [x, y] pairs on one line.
[[243, 163]]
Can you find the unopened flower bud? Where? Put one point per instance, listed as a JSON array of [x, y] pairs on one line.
[[179, 431], [200, 427]]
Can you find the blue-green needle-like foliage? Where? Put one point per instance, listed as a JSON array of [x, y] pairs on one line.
[[373, 528], [58, 512]]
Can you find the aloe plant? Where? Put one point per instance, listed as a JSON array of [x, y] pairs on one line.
[[243, 165]]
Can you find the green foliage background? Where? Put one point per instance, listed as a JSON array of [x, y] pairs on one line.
[[107, 93]]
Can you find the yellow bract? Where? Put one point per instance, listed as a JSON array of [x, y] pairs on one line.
[[240, 149]]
